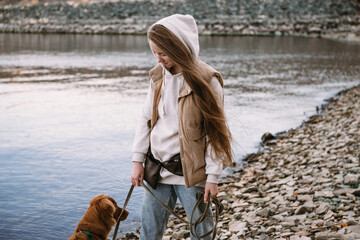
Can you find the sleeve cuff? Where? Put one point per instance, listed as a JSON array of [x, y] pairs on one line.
[[212, 178], [138, 157]]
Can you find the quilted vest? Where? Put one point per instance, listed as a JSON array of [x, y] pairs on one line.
[[192, 135]]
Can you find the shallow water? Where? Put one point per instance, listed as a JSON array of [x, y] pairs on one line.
[[69, 106]]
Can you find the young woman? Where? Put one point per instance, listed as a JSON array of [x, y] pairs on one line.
[[183, 113]]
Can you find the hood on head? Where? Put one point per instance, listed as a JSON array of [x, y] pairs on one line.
[[183, 27]]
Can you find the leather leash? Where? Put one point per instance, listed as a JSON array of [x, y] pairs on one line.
[[122, 211], [218, 210]]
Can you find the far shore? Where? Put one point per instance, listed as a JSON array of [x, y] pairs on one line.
[[244, 18]]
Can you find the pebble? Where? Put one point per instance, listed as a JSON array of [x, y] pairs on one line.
[[297, 237], [237, 226], [352, 179], [323, 208], [302, 210]]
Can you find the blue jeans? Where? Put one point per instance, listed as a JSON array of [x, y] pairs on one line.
[[154, 217]]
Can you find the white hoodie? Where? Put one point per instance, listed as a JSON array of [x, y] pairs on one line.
[[184, 27], [165, 134]]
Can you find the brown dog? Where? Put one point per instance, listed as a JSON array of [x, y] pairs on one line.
[[98, 219]]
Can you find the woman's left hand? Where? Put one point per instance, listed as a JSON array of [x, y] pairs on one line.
[[210, 188]]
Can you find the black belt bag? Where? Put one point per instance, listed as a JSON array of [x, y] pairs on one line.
[[153, 167]]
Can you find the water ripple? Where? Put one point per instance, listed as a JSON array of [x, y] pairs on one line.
[[69, 107]]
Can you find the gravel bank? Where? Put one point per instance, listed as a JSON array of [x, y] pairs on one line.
[[301, 185]]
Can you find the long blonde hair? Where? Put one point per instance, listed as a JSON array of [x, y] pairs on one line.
[[218, 133]]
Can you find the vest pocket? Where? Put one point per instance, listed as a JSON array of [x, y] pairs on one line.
[[195, 132]]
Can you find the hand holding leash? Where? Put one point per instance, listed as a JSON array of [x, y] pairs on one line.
[[211, 189], [137, 174]]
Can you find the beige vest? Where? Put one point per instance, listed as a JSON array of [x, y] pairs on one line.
[[192, 134]]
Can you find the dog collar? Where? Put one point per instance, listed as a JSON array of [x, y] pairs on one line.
[[90, 235]]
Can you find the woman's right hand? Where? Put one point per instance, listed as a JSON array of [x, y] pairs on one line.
[[137, 174]]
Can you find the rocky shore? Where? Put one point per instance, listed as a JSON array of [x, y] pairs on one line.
[[337, 19], [303, 184]]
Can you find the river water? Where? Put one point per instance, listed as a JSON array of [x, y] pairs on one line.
[[69, 106]]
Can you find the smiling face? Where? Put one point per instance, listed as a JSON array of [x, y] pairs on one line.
[[162, 58]]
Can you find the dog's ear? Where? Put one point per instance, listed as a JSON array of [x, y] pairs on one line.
[[97, 198], [105, 208]]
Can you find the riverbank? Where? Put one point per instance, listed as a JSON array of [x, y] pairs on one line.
[[339, 20], [301, 185]]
